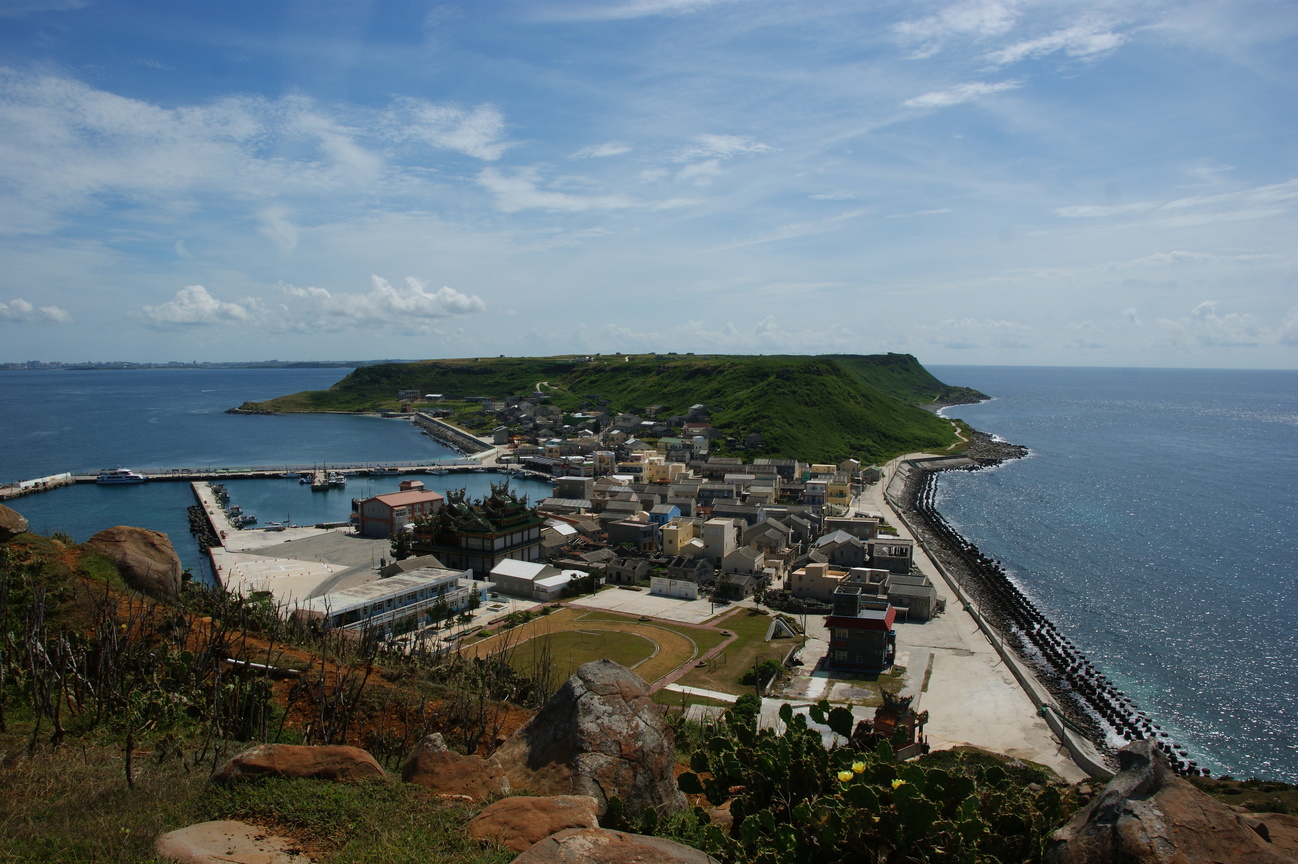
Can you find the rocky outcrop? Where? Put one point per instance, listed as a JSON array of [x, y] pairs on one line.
[[1147, 814], [599, 735], [517, 823], [11, 523], [433, 766], [225, 842], [329, 762], [146, 559], [600, 846]]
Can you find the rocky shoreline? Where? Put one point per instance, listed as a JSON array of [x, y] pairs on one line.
[[1091, 705]]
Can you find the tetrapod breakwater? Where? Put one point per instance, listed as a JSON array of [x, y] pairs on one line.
[[1091, 703]]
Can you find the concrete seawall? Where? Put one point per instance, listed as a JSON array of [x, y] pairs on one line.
[[448, 435]]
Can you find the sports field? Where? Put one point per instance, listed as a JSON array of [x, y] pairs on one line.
[[575, 636]]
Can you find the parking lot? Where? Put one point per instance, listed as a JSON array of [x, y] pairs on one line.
[[630, 602]]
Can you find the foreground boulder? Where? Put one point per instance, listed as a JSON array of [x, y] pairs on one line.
[[146, 559], [517, 823], [599, 735], [12, 523], [329, 762], [1148, 814], [224, 842], [433, 766], [601, 846]]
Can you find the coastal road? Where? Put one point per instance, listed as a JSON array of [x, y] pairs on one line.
[[957, 675]]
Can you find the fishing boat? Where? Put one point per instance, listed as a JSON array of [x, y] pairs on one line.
[[337, 479], [114, 476]]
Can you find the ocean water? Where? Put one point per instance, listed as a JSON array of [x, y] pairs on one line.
[[1156, 523], [158, 419]]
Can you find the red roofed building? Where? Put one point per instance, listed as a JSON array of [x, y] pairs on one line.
[[861, 634], [384, 515]]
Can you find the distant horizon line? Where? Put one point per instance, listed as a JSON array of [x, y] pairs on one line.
[[90, 365]]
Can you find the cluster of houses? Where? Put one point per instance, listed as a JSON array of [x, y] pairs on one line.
[[683, 525]]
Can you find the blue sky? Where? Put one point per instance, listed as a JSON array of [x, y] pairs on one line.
[[984, 182]]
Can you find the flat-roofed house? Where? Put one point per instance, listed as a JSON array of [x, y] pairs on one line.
[[385, 515], [861, 634]]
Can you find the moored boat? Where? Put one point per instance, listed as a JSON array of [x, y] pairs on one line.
[[113, 476]]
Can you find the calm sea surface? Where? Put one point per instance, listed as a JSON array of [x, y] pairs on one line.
[[154, 419], [1156, 522]]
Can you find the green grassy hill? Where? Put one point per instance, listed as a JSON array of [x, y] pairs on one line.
[[824, 408]]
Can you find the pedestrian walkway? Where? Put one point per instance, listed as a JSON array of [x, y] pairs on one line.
[[700, 691]]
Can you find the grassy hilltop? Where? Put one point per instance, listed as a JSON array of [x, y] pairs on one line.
[[822, 408]]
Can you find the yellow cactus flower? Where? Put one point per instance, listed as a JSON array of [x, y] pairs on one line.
[[844, 776], [858, 767], [897, 783]]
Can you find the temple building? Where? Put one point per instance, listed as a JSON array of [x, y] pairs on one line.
[[478, 534]]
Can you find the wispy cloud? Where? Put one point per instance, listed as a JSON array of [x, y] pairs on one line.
[[520, 191], [979, 19], [601, 151], [1086, 40], [722, 147], [599, 10], [19, 310], [1258, 203], [960, 93], [475, 132]]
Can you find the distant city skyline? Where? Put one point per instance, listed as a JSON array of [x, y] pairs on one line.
[[998, 182]]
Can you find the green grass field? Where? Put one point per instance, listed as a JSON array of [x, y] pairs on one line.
[[569, 649]]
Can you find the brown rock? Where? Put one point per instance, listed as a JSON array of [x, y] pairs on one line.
[[601, 846], [433, 766], [599, 735], [331, 762], [517, 823], [146, 559], [225, 842], [11, 523], [1147, 814], [1282, 829]]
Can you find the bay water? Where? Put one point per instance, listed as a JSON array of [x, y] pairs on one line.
[[1155, 522], [159, 419]]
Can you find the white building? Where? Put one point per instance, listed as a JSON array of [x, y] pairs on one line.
[[395, 605]]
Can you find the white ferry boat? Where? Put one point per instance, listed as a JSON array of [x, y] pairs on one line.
[[337, 479], [119, 475], [384, 472]]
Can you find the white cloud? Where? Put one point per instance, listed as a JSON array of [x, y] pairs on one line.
[[410, 306], [959, 94], [519, 191], [1203, 327], [20, 310], [193, 306], [1086, 40], [601, 151], [474, 132]]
